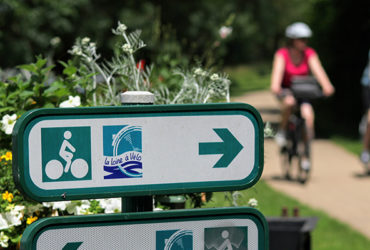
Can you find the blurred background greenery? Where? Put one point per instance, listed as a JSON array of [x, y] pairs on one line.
[[178, 32], [181, 32]]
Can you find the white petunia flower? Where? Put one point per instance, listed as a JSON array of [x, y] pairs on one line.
[[111, 205], [75, 208], [71, 207], [14, 217], [252, 202], [71, 102], [47, 204], [61, 205], [7, 123], [3, 222], [225, 31], [4, 240], [215, 77]]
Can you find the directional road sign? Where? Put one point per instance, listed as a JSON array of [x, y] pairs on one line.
[[209, 229], [80, 153]]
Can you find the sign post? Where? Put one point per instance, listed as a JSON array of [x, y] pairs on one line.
[[226, 228], [80, 153], [140, 203]]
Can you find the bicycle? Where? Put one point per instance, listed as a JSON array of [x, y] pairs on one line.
[[298, 145]]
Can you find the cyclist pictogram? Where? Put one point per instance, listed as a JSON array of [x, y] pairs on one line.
[[226, 238], [67, 157]]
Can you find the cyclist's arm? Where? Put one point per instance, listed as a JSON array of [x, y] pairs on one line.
[[277, 73], [319, 72]]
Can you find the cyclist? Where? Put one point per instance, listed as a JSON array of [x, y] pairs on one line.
[[67, 155], [365, 81], [297, 59]]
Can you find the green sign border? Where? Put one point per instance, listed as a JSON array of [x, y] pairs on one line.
[[27, 121], [33, 232]]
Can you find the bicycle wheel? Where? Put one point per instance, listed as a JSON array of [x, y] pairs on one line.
[[79, 168], [286, 162], [304, 155], [287, 152], [54, 169]]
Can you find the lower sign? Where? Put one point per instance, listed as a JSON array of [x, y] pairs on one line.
[[208, 229], [101, 152]]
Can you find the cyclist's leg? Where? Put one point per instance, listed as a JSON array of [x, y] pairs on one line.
[[288, 103], [308, 115], [67, 156]]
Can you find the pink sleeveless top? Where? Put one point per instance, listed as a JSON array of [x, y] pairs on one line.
[[295, 70]]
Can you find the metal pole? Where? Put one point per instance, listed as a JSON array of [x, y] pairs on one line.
[[141, 203]]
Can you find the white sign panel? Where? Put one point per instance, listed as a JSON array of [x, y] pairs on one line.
[[130, 152], [220, 230]]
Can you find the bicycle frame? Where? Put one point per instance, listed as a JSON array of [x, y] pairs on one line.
[[297, 147]]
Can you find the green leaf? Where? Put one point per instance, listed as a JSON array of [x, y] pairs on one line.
[[70, 70], [55, 86], [28, 67], [6, 109], [14, 79], [16, 239], [47, 69], [26, 94], [49, 105], [12, 95], [40, 62], [64, 64]]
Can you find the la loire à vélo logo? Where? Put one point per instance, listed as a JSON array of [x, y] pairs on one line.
[[122, 151]]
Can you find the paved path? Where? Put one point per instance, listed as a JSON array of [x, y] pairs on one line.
[[337, 186]]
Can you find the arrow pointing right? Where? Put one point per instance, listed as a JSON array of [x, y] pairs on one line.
[[72, 246], [229, 147]]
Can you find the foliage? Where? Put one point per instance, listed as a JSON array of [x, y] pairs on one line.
[[15, 212], [49, 27], [249, 77], [88, 81], [33, 27]]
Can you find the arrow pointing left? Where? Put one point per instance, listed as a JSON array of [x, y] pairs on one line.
[[72, 246], [229, 147]]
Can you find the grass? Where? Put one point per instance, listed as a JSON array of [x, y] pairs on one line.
[[329, 233], [246, 78], [352, 145]]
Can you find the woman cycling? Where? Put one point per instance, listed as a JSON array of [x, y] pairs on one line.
[[296, 59]]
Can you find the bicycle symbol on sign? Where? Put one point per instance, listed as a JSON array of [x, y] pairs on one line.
[[79, 168]]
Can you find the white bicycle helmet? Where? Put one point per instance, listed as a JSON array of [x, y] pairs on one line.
[[298, 30]]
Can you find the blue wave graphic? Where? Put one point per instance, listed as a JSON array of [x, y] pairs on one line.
[[129, 169], [127, 134]]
